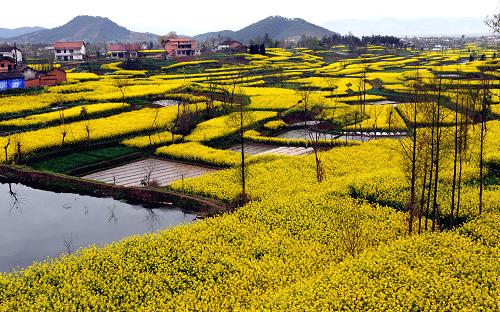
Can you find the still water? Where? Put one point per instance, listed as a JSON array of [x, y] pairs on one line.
[[37, 224]]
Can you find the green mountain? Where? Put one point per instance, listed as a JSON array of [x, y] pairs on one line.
[[277, 27], [9, 33], [88, 29]]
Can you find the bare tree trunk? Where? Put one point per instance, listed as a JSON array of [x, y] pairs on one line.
[[454, 183], [422, 198], [481, 157], [242, 141], [431, 174], [6, 148], [438, 145], [413, 170], [413, 160]]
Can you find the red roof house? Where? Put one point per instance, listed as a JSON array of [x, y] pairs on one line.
[[179, 47], [70, 50], [123, 51]]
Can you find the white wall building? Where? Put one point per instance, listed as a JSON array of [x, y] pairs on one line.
[[70, 51], [12, 52]]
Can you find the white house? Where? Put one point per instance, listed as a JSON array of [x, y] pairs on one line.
[[70, 51], [12, 52]]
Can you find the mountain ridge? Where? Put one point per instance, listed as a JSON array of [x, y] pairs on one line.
[[86, 28], [277, 27], [14, 32]]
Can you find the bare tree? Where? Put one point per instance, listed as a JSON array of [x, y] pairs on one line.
[[88, 128], [171, 126], [212, 91], [351, 234], [333, 88], [303, 103], [239, 121], [361, 84], [484, 114], [154, 124], [18, 155], [149, 169], [122, 85], [62, 126], [16, 200], [6, 149], [315, 142], [69, 246], [493, 22]]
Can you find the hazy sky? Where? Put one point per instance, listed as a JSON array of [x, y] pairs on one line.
[[191, 17]]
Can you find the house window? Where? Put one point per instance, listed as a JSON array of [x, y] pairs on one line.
[[70, 51], [3, 65], [58, 51]]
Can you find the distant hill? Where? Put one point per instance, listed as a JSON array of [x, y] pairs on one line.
[[277, 27], [411, 27], [6, 33], [88, 29]]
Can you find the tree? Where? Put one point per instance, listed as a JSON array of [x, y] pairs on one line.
[[162, 40], [333, 87], [411, 204], [262, 49], [18, 156], [88, 128], [361, 84], [62, 126], [154, 124], [303, 103], [239, 120], [315, 142], [170, 126], [149, 169], [122, 84], [484, 115], [6, 149], [493, 22], [212, 91]]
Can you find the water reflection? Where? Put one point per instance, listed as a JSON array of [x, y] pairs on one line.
[[36, 224], [15, 200], [153, 220]]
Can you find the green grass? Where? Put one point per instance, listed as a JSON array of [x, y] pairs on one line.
[[70, 162]]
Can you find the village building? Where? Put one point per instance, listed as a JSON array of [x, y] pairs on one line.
[[123, 51], [12, 52], [7, 64], [181, 47], [51, 77], [70, 51], [11, 80], [232, 46], [29, 73]]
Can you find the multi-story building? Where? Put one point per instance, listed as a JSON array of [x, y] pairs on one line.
[[70, 51], [179, 47]]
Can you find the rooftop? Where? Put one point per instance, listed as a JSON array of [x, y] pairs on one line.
[[69, 45]]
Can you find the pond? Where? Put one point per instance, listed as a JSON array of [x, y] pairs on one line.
[[36, 224], [166, 103], [342, 136]]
